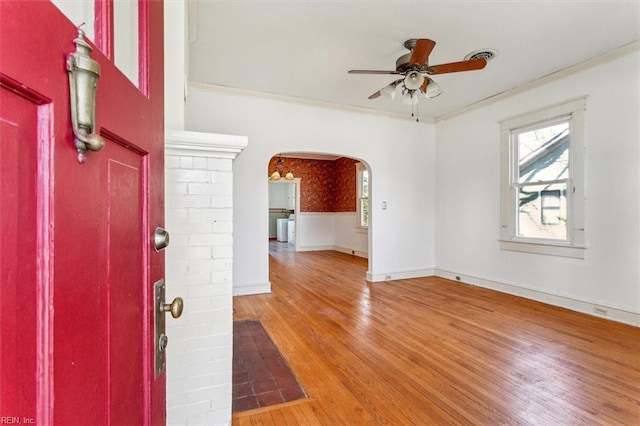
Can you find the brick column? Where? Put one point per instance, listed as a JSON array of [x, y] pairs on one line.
[[199, 218]]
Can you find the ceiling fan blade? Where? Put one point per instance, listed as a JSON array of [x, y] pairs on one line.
[[372, 72], [421, 51], [470, 65], [375, 95], [423, 88]]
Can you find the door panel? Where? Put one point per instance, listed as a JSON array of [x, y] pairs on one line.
[[125, 295], [106, 336], [18, 250], [84, 267]]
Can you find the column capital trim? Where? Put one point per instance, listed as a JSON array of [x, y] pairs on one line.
[[200, 144]]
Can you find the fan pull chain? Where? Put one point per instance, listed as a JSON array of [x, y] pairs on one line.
[[413, 106]]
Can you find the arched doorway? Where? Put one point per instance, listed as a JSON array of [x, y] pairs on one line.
[[327, 202]]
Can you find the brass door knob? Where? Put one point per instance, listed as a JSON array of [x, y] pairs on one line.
[[160, 239], [175, 307]]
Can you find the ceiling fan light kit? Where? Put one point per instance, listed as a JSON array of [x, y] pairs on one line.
[[433, 89], [413, 80], [410, 98], [415, 70], [390, 90]]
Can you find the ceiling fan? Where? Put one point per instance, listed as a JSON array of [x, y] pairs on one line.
[[415, 71]]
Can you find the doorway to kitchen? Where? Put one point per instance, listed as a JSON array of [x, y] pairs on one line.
[[284, 204]]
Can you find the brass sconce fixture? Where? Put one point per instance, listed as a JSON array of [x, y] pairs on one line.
[[84, 73], [276, 173]]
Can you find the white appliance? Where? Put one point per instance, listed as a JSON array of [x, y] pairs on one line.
[[282, 229], [274, 215], [291, 231]]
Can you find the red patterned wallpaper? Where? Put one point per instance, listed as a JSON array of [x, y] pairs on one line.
[[325, 185], [344, 195]]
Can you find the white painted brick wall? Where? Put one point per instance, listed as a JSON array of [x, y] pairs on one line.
[[199, 260]]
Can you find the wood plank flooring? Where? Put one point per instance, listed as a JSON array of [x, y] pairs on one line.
[[430, 351]]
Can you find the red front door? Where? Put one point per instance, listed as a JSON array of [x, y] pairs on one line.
[[76, 243]]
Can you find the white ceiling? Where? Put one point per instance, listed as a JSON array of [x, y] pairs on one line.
[[303, 49]]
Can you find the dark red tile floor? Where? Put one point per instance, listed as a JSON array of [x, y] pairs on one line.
[[261, 377]]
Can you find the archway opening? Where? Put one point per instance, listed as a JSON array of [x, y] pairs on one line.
[[322, 203]]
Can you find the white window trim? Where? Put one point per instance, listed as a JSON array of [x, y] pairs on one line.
[[359, 169], [574, 246]]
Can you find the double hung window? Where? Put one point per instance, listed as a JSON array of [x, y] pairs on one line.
[[543, 181]]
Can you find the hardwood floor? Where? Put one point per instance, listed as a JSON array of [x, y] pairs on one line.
[[431, 351]]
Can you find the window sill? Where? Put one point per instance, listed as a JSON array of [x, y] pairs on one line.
[[574, 252], [362, 230]]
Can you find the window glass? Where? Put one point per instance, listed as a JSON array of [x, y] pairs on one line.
[[543, 154], [126, 38], [540, 213], [80, 13], [363, 196], [542, 171], [125, 32], [554, 206]]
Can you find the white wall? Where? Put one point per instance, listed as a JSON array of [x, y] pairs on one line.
[[332, 231], [400, 155], [468, 197], [347, 237], [279, 195], [316, 231]]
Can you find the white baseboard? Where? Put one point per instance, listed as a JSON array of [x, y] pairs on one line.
[[313, 248], [583, 306], [346, 250], [252, 288], [402, 275], [334, 248]]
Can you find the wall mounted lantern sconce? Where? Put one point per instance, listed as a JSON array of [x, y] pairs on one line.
[[84, 73]]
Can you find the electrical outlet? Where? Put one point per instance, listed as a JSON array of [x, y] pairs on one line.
[[600, 311], [387, 277]]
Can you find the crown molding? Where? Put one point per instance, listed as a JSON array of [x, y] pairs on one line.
[[627, 49], [292, 99]]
